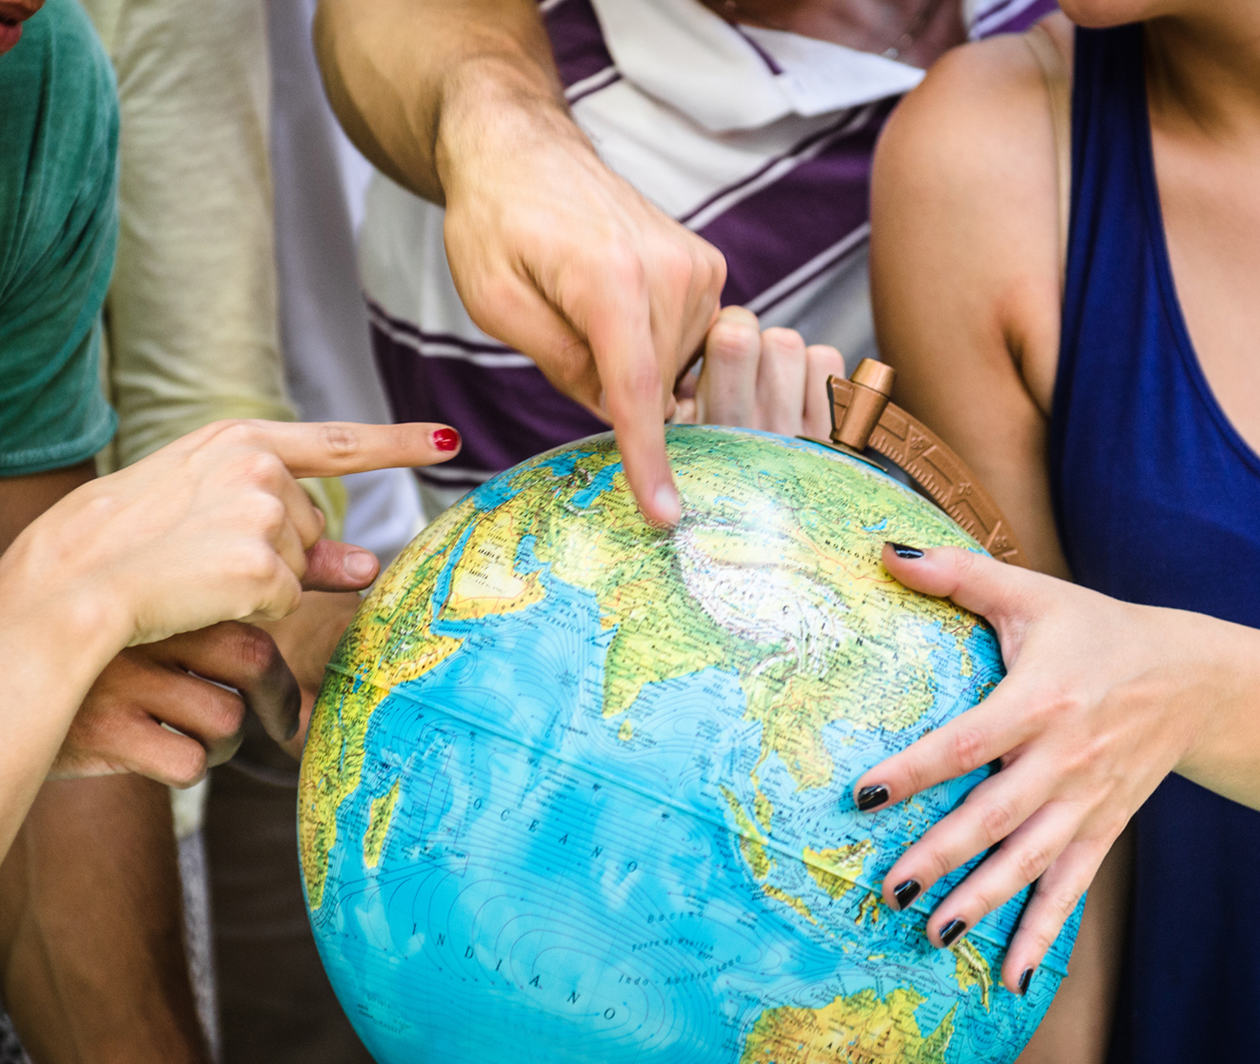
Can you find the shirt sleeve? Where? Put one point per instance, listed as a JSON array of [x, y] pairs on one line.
[[58, 146]]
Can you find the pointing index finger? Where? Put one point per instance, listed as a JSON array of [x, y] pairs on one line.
[[335, 448], [635, 392]]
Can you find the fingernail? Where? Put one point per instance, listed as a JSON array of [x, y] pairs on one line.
[[871, 796], [667, 505], [360, 565], [902, 551], [906, 892], [951, 931], [1024, 980], [445, 439]]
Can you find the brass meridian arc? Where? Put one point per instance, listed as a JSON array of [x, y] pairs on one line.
[[863, 417]]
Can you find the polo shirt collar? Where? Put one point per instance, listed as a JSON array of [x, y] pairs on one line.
[[728, 78]]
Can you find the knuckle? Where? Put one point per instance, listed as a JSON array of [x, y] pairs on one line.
[[284, 598], [1042, 938], [340, 439], [732, 342], [677, 267], [964, 566], [716, 263], [186, 767], [984, 901], [997, 820], [643, 386], [1060, 904], [486, 295], [939, 864], [222, 718], [784, 343], [569, 360], [230, 430], [269, 514], [915, 775], [626, 271], [1031, 862], [968, 748], [254, 651], [262, 467], [256, 563]]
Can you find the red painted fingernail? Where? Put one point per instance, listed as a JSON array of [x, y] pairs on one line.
[[446, 439]]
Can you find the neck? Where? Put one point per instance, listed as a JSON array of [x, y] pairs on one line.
[[1203, 68]]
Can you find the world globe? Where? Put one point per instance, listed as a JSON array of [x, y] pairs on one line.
[[579, 789]]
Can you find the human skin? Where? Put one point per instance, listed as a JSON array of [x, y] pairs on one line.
[[211, 528], [460, 103], [975, 288], [12, 14], [771, 380], [80, 975]]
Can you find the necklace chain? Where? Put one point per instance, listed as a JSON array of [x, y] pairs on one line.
[[733, 11]]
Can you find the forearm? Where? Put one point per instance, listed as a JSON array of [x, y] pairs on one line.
[[1213, 668], [91, 928], [408, 78], [54, 640]]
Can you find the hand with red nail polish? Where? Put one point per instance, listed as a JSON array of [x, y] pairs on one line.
[[211, 528]]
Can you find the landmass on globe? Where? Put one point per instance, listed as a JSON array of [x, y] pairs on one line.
[[585, 783]]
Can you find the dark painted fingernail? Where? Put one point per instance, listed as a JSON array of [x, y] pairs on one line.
[[870, 797], [906, 892], [902, 551], [1024, 980], [951, 931], [445, 439]]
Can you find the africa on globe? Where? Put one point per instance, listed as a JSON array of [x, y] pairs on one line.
[[578, 789]]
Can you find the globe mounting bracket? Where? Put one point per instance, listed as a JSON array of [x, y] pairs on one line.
[[863, 418]]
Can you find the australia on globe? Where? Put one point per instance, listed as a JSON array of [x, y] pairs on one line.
[[578, 789]]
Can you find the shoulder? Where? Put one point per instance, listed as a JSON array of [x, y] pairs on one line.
[[59, 139], [58, 228], [965, 187]]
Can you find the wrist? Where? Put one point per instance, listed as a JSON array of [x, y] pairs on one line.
[[493, 111], [63, 606]]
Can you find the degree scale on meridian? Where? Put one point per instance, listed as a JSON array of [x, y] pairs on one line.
[[863, 417]]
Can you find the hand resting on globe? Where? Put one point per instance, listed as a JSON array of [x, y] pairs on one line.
[[1101, 701], [213, 527]]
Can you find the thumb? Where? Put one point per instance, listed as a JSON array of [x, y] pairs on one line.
[[333, 566], [998, 592]]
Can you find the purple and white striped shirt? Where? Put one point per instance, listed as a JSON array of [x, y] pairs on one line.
[[758, 140]]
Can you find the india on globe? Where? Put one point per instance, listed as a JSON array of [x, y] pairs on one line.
[[578, 789]]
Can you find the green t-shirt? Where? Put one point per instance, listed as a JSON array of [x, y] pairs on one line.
[[58, 230]]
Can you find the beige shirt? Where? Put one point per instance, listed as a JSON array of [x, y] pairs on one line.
[[191, 319]]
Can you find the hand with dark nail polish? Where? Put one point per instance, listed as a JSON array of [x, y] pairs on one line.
[[951, 931], [870, 797], [905, 893]]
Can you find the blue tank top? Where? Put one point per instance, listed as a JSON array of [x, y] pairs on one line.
[[1158, 501]]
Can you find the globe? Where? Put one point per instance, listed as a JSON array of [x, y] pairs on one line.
[[578, 789]]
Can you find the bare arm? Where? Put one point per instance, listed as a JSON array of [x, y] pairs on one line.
[[460, 103], [394, 69], [1102, 699], [213, 527]]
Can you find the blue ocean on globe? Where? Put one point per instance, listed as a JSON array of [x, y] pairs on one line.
[[579, 790]]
